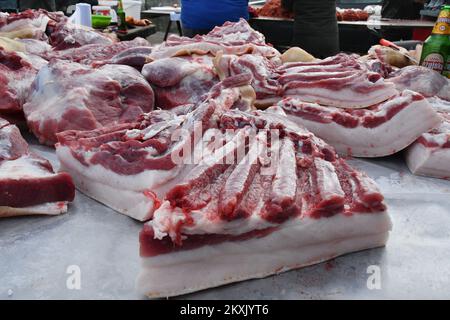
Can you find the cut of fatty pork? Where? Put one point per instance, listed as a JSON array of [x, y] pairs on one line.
[[28, 184]]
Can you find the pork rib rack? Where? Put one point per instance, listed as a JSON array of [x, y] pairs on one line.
[[28, 184], [237, 192], [129, 166], [229, 221]]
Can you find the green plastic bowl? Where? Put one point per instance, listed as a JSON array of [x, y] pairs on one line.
[[99, 21]]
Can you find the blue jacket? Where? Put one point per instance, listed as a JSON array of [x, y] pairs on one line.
[[206, 14]]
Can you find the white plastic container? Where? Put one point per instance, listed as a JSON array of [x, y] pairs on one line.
[[82, 15], [132, 8]]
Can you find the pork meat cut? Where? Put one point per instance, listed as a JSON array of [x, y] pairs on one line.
[[430, 154], [28, 184], [26, 24], [227, 221], [377, 131], [231, 38], [129, 166], [17, 72], [180, 80], [265, 75], [183, 71], [339, 81], [133, 53], [64, 35], [226, 185], [67, 95], [423, 80]]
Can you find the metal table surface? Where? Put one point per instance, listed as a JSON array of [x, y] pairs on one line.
[[36, 252]]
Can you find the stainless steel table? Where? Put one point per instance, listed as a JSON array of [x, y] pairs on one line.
[[36, 252]]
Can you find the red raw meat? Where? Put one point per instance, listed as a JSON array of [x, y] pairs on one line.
[[377, 131], [231, 38], [67, 95], [304, 209], [26, 24], [28, 184], [133, 53], [430, 154], [180, 80], [265, 75], [140, 152], [215, 181], [423, 80], [339, 81], [272, 8], [17, 72]]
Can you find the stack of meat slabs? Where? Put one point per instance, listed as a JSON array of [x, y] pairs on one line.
[[253, 195]]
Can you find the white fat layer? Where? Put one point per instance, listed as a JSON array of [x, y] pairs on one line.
[[440, 135], [146, 180], [135, 204], [22, 168], [346, 98], [432, 162], [51, 208], [293, 246], [327, 180], [386, 139]]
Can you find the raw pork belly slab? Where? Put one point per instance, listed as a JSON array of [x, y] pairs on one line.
[[430, 154], [261, 214], [339, 81], [70, 96], [231, 38], [129, 167], [28, 184], [377, 131]]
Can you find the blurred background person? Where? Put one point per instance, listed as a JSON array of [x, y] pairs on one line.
[[201, 16], [400, 9], [49, 5], [315, 26]]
